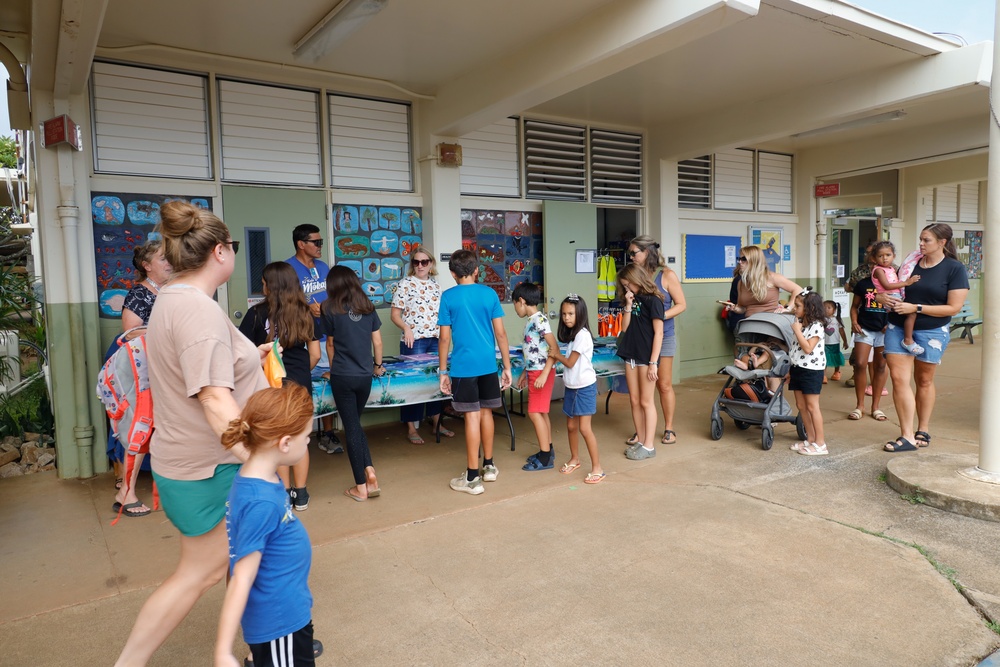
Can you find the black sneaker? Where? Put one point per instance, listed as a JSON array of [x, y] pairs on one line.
[[300, 499]]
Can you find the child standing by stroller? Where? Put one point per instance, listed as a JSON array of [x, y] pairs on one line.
[[639, 347], [887, 281], [269, 549], [835, 337], [808, 366], [580, 401]]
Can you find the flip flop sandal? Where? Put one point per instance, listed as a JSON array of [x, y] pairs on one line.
[[634, 440], [415, 438], [594, 478], [118, 483], [669, 437], [879, 416], [855, 414], [900, 444], [923, 438], [124, 509], [567, 468], [349, 492], [446, 433]]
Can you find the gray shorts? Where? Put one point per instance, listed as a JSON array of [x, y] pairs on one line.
[[669, 346]]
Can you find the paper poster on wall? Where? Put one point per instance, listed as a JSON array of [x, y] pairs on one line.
[[586, 261], [122, 222], [376, 242], [508, 245], [731, 256], [840, 270], [973, 255], [768, 239]]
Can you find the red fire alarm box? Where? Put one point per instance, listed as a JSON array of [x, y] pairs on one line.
[[61, 130]]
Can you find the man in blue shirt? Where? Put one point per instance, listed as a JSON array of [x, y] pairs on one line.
[[312, 271]]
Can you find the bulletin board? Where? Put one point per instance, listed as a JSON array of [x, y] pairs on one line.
[[709, 258]]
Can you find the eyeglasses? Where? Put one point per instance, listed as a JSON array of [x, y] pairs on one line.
[[235, 245], [741, 259], [316, 242], [633, 253], [421, 262]]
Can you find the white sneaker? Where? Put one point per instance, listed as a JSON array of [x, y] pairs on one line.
[[462, 483], [490, 473]]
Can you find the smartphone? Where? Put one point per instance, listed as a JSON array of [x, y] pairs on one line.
[[725, 303]]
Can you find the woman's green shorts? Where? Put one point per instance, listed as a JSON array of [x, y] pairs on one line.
[[196, 507]]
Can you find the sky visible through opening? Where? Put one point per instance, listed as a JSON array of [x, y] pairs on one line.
[[971, 19]]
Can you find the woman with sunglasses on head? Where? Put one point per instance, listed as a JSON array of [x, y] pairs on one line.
[[759, 287], [645, 252], [415, 311]]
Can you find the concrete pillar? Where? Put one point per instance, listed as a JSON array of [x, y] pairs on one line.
[[441, 190]]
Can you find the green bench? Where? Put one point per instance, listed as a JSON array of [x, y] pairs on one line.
[[965, 320]]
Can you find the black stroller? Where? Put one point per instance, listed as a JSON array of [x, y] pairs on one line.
[[762, 342]]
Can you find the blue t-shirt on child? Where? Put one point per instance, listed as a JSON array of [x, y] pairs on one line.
[[470, 310], [259, 517]]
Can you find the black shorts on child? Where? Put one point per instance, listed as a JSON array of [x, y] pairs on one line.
[[294, 649], [475, 393], [806, 380]]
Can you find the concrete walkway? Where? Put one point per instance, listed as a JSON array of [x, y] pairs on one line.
[[712, 553]]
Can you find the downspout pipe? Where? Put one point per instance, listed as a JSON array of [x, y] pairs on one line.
[[69, 222]]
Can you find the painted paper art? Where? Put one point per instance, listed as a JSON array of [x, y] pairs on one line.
[[508, 245], [974, 257], [122, 222], [768, 239], [376, 243]]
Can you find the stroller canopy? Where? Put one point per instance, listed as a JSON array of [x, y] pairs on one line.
[[773, 325]]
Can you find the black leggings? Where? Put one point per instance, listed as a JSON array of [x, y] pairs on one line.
[[350, 393]]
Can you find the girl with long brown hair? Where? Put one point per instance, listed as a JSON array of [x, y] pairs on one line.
[[284, 316], [354, 345]]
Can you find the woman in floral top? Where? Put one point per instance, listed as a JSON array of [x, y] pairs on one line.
[[415, 311]]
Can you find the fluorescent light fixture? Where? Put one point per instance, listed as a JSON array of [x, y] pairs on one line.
[[342, 21], [853, 124]]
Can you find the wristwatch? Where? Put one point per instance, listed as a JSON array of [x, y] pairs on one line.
[[920, 308]]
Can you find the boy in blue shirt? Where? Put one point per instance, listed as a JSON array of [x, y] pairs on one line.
[[470, 315]]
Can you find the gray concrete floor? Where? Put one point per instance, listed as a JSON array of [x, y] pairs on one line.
[[712, 553]]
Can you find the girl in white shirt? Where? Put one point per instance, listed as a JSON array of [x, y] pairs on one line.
[[580, 400], [808, 369]]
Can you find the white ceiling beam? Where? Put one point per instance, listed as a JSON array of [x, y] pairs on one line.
[[826, 104], [617, 36], [69, 30]]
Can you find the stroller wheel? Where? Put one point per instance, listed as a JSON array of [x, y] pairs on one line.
[[800, 428], [742, 425], [767, 438], [716, 428]]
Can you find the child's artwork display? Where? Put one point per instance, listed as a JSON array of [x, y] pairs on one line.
[[121, 222], [972, 254], [508, 245], [376, 242]]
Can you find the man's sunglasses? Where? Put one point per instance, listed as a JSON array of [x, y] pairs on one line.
[[316, 242], [421, 262]]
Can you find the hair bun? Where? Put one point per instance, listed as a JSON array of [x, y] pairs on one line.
[[177, 218]]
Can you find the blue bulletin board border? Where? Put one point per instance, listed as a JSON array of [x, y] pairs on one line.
[[703, 258]]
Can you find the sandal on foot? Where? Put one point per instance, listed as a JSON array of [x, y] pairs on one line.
[[536, 464], [900, 444], [446, 433], [414, 438], [634, 440], [922, 438], [856, 414], [594, 478], [127, 509], [878, 416], [669, 437], [118, 483], [798, 446], [351, 493], [567, 468], [814, 449]]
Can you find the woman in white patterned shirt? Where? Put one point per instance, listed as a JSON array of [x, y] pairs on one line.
[[415, 311]]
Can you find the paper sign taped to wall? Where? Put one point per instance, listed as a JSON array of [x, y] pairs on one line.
[[840, 270], [730, 256]]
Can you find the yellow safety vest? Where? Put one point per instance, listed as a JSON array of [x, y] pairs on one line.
[[606, 277]]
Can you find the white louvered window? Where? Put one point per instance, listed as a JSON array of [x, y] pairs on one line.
[[370, 144], [150, 122], [774, 182], [269, 134], [555, 161], [946, 203], [490, 161], [968, 202], [732, 180], [615, 167], [694, 182]]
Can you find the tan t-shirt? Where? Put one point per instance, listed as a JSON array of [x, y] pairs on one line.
[[191, 344]]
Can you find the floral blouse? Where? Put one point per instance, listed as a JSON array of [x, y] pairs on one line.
[[419, 300], [140, 301]]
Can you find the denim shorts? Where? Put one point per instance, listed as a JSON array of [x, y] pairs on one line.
[[580, 402], [934, 342], [870, 338]]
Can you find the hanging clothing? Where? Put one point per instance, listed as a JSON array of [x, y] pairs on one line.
[[606, 277]]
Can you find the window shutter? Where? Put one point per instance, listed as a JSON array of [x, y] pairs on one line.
[[946, 200], [774, 182], [150, 122], [615, 167], [694, 182], [370, 144], [269, 134], [490, 161], [555, 161], [968, 202], [733, 180]]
